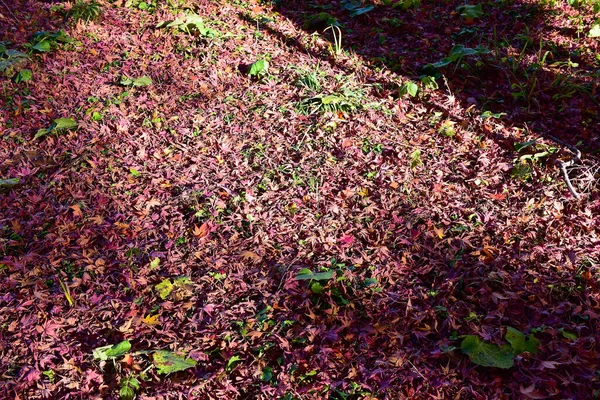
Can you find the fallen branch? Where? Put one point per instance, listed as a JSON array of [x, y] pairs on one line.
[[563, 165]]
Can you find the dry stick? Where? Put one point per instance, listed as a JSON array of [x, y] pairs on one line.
[[9, 10], [563, 165]]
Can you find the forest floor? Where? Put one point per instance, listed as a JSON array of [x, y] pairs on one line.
[[299, 200]]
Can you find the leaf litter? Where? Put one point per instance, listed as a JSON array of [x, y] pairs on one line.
[[192, 231]]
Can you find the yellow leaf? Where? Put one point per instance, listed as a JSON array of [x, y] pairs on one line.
[[439, 232], [151, 319]]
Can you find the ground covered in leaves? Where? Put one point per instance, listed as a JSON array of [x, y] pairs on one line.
[[298, 200]]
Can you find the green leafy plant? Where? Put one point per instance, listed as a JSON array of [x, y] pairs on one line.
[[190, 24], [409, 87], [136, 82], [24, 75], [309, 80], [532, 153], [457, 53], [320, 21], [491, 355], [470, 12], [315, 279], [129, 386], [149, 6], [58, 125], [415, 159], [259, 68], [356, 7], [10, 58], [44, 41], [406, 4], [85, 11]]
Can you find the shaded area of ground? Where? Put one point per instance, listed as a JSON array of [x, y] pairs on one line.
[[239, 183]]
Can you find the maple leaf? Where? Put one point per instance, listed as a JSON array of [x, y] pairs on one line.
[[249, 255], [201, 231], [151, 319]]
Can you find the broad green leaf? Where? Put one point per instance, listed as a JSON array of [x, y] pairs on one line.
[[164, 288], [137, 82], [143, 81], [516, 339], [319, 276], [415, 159], [126, 393], [63, 123], [531, 344], [168, 363], [410, 88], [569, 335], [24, 75], [111, 351], [316, 288], [6, 184], [134, 172], [267, 374], [42, 46], [470, 12], [232, 362], [595, 31], [331, 99], [41, 133], [487, 354], [523, 145], [154, 263], [259, 67], [118, 349]]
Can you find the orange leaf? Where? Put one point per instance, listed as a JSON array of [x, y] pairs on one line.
[[249, 255], [201, 231], [76, 210]]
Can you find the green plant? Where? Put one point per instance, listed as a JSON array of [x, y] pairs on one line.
[[490, 355], [356, 7], [337, 38], [470, 12], [44, 41], [190, 24], [309, 80], [128, 387], [320, 21], [326, 103], [57, 126], [457, 53], [10, 58], [136, 82], [24, 75], [85, 11], [149, 6], [409, 87], [407, 4], [532, 154], [259, 68]]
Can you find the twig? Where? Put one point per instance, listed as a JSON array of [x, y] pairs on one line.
[[9, 10], [563, 165]]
